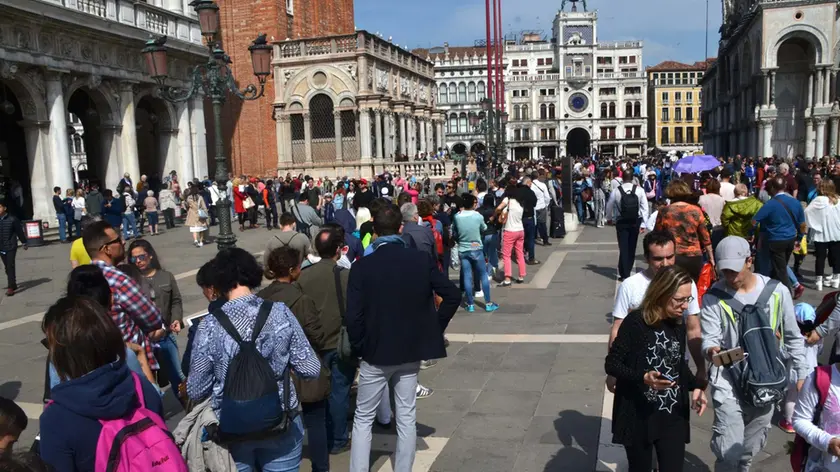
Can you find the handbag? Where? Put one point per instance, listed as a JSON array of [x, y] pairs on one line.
[[202, 214], [343, 348], [247, 203]]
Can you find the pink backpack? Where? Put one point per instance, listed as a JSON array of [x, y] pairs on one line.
[[137, 442], [799, 451]]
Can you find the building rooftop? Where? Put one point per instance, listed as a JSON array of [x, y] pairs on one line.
[[454, 51], [668, 66]]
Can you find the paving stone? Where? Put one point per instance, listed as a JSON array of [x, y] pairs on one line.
[[559, 404], [477, 455], [449, 400], [457, 379], [568, 428], [493, 402], [545, 458], [575, 382], [517, 381], [479, 426]]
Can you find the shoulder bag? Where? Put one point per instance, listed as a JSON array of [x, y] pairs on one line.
[[344, 349]]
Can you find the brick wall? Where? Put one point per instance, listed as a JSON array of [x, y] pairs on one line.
[[248, 127]]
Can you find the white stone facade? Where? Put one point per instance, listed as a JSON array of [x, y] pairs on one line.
[[569, 95], [83, 57], [353, 105], [773, 89]]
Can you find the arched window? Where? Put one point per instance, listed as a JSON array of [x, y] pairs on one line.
[[551, 115], [321, 113], [453, 94], [612, 110], [637, 109], [77, 144], [443, 94], [517, 113], [524, 112], [453, 123], [471, 92], [462, 92], [462, 122], [543, 112], [482, 91], [603, 110], [628, 109], [664, 137]]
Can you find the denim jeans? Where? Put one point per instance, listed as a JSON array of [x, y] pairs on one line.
[[491, 250], [62, 223], [129, 222], [472, 262], [166, 353], [315, 420], [579, 207], [78, 225], [338, 404], [372, 382], [153, 221], [280, 454], [530, 236]]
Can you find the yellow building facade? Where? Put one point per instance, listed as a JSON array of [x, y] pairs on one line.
[[674, 111]]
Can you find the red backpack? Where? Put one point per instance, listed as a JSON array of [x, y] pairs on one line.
[[438, 237], [799, 451]]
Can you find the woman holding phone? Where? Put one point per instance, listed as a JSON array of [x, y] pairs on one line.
[[651, 406]]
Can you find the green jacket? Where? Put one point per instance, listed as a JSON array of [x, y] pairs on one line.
[[737, 216]]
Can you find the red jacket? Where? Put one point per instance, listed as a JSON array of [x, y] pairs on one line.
[[238, 198]]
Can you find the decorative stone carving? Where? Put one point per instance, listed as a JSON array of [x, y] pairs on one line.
[[104, 55], [65, 47], [3, 30], [36, 78], [404, 86], [287, 74], [370, 76], [27, 106], [351, 71], [122, 58], [94, 81], [8, 69], [381, 80], [23, 38], [45, 42], [86, 51]]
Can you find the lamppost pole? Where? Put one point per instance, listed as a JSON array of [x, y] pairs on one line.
[[215, 79]]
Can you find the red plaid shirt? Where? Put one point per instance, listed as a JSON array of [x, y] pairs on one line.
[[134, 314]]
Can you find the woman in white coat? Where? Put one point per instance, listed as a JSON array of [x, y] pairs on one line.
[[823, 217]]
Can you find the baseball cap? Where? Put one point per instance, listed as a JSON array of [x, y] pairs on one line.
[[804, 313], [731, 253], [363, 182]]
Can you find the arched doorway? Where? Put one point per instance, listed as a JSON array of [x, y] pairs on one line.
[[15, 181], [83, 108], [321, 108], [459, 148], [796, 57], [154, 131], [577, 143], [477, 148]]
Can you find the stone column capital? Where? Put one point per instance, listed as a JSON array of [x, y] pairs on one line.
[[337, 114], [306, 116]]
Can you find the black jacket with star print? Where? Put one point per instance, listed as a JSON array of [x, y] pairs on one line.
[[638, 410]]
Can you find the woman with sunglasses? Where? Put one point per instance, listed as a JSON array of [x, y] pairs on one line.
[[167, 297], [651, 406]]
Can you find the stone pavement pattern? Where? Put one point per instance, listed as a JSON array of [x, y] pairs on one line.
[[502, 403]]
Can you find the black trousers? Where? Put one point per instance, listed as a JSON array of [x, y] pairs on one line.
[[628, 237], [692, 264], [779, 254], [832, 250], [241, 217], [252, 215], [670, 452], [169, 218], [271, 214], [213, 211], [542, 229], [9, 263]]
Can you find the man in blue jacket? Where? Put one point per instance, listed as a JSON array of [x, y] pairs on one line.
[[112, 209], [782, 223], [392, 325]]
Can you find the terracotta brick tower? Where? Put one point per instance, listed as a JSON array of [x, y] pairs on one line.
[[248, 126]]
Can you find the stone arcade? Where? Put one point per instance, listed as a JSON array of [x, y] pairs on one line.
[[82, 57]]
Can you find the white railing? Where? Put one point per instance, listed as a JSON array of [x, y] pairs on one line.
[[621, 75], [157, 23], [533, 78], [93, 7], [154, 19], [620, 45], [529, 47]]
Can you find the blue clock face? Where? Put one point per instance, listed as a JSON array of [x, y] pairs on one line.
[[578, 102]]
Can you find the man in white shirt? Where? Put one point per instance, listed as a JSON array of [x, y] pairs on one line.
[[628, 216], [660, 252], [727, 188], [540, 189]]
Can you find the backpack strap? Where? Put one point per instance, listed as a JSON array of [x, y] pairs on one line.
[[138, 388], [227, 325], [338, 292], [822, 379]]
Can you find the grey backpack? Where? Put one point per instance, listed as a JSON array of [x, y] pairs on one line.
[[761, 378]]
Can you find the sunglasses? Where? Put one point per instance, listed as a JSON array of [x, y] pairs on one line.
[[117, 240], [141, 257]]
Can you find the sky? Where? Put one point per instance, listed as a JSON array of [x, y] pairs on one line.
[[675, 32]]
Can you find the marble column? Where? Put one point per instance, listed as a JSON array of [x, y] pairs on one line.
[[198, 130], [827, 86], [307, 137], [760, 146], [832, 135], [128, 135], [422, 135], [768, 138], [819, 148], [772, 100], [439, 144], [766, 91], [184, 154], [403, 134], [809, 138], [388, 145], [380, 150], [810, 102], [37, 135], [61, 169], [110, 156], [364, 133], [284, 136], [337, 123]]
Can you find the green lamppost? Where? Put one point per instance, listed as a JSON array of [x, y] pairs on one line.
[[215, 79]]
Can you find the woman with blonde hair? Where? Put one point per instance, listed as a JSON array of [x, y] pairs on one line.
[[685, 220], [651, 405], [823, 217]]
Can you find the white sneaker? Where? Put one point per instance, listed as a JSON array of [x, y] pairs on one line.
[[819, 283], [835, 280], [200, 244], [479, 294]]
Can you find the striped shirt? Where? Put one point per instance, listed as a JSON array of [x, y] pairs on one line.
[[281, 341], [133, 313]]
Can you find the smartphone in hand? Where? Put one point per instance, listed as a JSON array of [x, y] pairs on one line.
[[727, 358]]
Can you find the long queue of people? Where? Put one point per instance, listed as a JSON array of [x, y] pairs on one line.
[[760, 347]]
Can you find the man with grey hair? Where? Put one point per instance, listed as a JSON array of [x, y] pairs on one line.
[[791, 185], [416, 235]]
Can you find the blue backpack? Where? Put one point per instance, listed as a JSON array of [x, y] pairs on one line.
[[251, 407]]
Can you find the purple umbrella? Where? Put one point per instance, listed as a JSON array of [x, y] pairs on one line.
[[695, 164]]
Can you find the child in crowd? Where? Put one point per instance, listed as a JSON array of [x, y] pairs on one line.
[[806, 315], [12, 423]]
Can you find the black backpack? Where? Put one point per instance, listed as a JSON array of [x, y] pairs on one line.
[[251, 406], [761, 378], [628, 207]]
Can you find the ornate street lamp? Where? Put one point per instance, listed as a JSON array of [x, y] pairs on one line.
[[214, 79]]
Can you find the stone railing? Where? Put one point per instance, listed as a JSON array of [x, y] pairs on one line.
[[156, 20], [529, 47], [435, 169], [621, 75], [533, 78], [620, 45]]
